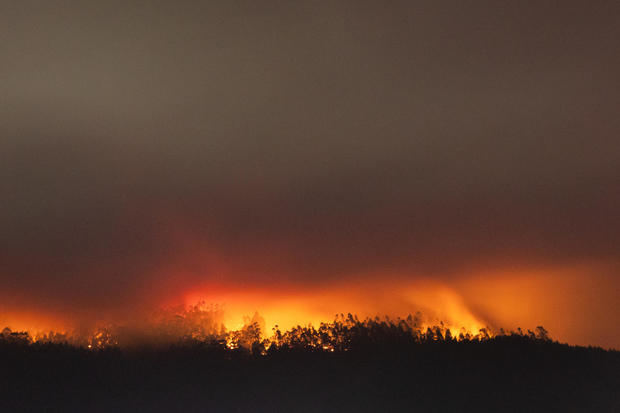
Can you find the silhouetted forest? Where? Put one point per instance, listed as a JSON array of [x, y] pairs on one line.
[[348, 365]]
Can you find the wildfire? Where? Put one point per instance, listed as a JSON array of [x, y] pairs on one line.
[[439, 305], [224, 314], [468, 307]]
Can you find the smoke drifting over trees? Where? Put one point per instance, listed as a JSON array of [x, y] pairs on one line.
[[348, 365], [202, 325]]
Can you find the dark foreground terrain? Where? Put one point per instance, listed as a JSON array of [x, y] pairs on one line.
[[507, 373]]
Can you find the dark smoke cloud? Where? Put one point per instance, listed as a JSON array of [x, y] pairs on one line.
[[302, 142]]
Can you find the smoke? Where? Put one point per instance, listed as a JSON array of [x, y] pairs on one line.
[[148, 151]]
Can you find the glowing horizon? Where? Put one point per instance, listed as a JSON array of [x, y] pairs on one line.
[[302, 160], [509, 301]]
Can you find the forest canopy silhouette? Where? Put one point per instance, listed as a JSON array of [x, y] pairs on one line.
[[202, 324], [185, 359], [374, 189]]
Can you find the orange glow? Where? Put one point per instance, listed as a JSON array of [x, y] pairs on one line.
[[576, 305], [33, 322], [286, 309], [554, 298]]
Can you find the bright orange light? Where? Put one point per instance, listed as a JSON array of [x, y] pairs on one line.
[[287, 309], [575, 305]]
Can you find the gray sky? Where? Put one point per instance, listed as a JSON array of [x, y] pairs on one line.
[[301, 142]]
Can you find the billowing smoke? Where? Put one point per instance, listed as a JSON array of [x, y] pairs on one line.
[[151, 152]]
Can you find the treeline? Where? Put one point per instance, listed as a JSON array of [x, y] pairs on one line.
[[200, 325], [347, 365]]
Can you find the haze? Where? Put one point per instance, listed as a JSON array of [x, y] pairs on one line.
[[333, 156]]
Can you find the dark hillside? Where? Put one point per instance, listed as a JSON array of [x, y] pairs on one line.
[[375, 371]]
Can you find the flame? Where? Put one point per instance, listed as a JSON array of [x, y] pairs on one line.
[[554, 298], [285, 310]]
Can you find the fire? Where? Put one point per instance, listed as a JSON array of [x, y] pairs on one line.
[[284, 310], [464, 304]]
